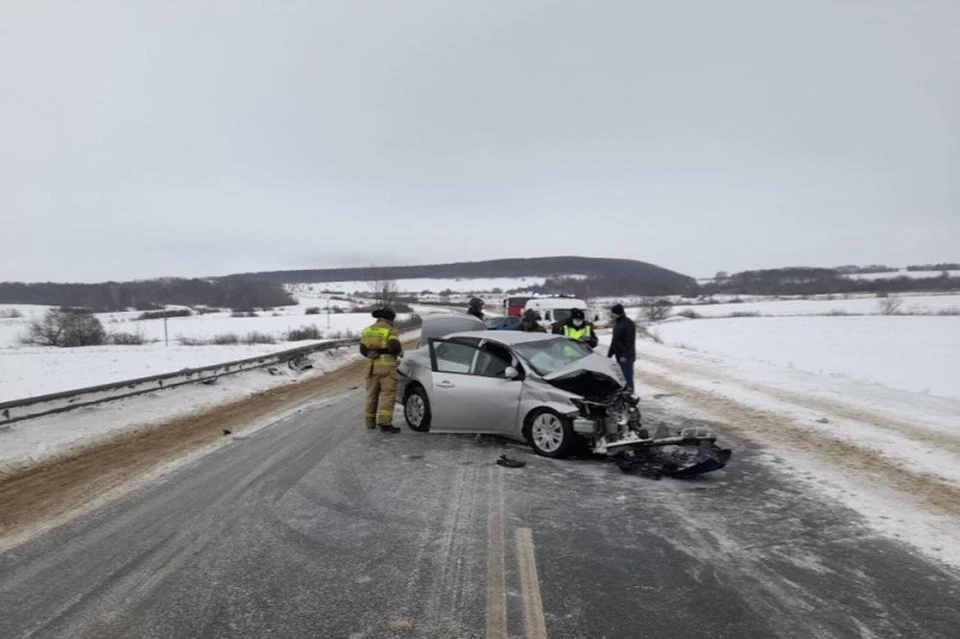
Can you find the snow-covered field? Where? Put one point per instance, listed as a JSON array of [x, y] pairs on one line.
[[853, 305], [27, 371], [275, 322], [915, 354], [914, 275], [471, 285], [31, 371]]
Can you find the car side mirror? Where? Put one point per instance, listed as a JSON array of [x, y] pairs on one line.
[[511, 373]]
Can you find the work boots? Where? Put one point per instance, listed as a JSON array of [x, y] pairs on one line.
[[389, 428]]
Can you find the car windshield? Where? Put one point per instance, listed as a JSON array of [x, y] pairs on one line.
[[549, 356]]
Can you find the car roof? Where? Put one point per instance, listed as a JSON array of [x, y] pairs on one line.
[[507, 337]]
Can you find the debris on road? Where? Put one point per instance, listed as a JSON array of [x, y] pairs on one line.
[[509, 462]]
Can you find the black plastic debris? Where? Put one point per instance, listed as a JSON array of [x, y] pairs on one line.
[[644, 468], [509, 462]]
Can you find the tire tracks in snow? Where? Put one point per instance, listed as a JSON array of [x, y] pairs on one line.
[[772, 429]]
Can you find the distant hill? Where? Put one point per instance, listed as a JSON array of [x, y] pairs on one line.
[[639, 277]]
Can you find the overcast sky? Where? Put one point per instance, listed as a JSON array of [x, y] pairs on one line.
[[155, 137]]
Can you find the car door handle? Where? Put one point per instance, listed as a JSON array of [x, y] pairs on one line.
[[446, 384]]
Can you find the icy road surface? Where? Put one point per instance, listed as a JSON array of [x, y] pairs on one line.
[[314, 527]]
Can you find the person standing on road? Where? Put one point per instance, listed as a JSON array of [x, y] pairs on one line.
[[380, 343], [531, 322], [577, 327], [623, 346], [475, 308]]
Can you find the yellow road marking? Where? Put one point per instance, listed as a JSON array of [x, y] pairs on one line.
[[496, 562], [533, 620]]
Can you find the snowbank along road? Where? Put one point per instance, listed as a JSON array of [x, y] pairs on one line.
[[313, 526], [892, 455]]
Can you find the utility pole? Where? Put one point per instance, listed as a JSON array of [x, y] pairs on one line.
[[166, 338], [328, 311]]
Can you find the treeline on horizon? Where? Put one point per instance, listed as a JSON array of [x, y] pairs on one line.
[[883, 268], [814, 281], [145, 295], [245, 293]]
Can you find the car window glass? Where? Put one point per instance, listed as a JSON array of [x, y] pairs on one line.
[[453, 357], [492, 361], [457, 357]]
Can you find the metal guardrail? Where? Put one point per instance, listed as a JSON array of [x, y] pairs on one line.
[[20, 409]]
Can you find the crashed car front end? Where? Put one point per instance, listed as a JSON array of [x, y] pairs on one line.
[[607, 416]]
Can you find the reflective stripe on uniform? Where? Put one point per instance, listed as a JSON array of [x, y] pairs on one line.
[[375, 337], [576, 333]]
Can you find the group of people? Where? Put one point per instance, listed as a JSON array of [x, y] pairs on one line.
[[577, 327], [380, 343], [622, 344]]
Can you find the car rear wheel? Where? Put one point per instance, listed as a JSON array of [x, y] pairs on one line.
[[551, 434], [416, 410]]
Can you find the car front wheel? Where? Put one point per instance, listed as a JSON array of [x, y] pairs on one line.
[[551, 434], [416, 410]]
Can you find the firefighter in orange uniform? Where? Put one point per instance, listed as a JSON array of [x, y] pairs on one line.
[[380, 343]]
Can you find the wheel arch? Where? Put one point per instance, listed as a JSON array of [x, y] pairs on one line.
[[410, 385]]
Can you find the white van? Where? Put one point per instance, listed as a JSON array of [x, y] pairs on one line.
[[554, 310]]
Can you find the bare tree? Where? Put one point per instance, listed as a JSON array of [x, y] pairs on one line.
[[384, 289], [655, 309], [889, 305], [45, 331], [65, 329]]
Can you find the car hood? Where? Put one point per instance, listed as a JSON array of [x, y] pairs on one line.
[[591, 377]]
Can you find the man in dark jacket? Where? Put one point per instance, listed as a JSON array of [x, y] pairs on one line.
[[623, 346], [476, 308], [577, 327], [531, 322]]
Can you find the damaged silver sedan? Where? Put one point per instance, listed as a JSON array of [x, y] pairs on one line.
[[547, 390]]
